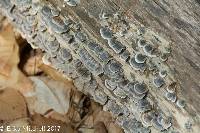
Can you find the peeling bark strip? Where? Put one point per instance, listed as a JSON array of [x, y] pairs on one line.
[[139, 59]]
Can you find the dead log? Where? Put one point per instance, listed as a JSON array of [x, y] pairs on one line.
[[171, 27]]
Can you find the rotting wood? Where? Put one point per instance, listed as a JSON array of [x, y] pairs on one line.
[[175, 24]]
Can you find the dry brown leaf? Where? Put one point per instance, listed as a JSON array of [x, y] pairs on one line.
[[73, 115], [20, 124], [89, 122], [106, 117], [77, 98], [113, 128], [10, 75], [100, 116], [8, 51], [51, 94], [56, 116], [20, 40], [99, 127], [108, 120], [55, 74], [86, 130], [2, 18], [12, 105], [31, 67], [30, 101], [38, 120]]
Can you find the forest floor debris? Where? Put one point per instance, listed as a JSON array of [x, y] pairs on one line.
[[34, 95]]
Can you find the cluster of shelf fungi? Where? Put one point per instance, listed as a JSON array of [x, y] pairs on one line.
[[120, 72]]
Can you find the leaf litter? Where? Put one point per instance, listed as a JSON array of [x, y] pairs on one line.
[[33, 94]]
